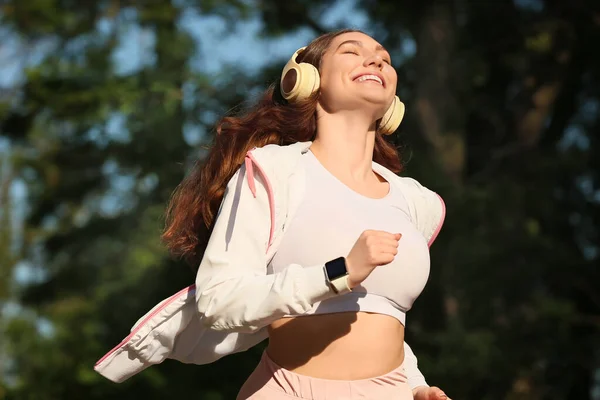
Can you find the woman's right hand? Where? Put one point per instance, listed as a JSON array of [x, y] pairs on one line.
[[372, 249]]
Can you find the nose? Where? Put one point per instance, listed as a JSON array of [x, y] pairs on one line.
[[374, 60]]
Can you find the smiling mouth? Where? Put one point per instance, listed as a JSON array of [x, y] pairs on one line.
[[374, 78]]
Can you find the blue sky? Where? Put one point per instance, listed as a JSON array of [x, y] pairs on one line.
[[217, 46]]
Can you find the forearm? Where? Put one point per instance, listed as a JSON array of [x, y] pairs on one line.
[[416, 380], [247, 303]]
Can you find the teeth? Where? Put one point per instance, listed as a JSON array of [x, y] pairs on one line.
[[370, 78]]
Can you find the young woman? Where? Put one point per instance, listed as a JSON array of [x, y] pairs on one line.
[[305, 234]]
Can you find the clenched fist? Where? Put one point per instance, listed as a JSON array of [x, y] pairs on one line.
[[372, 249]]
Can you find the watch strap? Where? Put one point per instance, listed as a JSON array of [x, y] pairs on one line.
[[340, 285]]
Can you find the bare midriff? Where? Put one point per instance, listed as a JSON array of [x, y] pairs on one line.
[[340, 346]]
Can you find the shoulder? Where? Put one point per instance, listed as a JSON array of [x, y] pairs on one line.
[[427, 208], [278, 162], [273, 153], [273, 164]]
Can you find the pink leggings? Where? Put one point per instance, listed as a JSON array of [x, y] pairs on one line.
[[270, 381]]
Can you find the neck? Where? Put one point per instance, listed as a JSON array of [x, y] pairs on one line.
[[345, 143]]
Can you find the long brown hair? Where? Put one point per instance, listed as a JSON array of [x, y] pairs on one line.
[[192, 209]]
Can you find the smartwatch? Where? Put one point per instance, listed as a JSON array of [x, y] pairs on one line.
[[337, 275]]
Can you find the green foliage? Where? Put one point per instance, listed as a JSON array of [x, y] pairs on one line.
[[503, 119]]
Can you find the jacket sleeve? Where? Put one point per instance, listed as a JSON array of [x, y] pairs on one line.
[[429, 210], [414, 376], [233, 291]]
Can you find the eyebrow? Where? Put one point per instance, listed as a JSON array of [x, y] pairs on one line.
[[359, 43]]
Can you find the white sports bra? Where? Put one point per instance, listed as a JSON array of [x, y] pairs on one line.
[[328, 222]]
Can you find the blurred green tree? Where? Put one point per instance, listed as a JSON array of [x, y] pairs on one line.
[[504, 105]]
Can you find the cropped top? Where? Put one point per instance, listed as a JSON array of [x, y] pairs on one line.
[[326, 225]]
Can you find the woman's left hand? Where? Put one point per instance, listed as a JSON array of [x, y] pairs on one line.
[[429, 393]]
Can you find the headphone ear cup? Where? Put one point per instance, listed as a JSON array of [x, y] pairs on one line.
[[392, 117], [299, 82]]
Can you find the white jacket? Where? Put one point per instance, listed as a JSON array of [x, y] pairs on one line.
[[233, 300]]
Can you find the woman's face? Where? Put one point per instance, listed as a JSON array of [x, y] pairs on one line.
[[356, 72]]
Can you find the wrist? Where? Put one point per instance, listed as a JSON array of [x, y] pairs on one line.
[[349, 267]]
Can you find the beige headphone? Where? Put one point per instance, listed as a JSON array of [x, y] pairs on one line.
[[300, 80]]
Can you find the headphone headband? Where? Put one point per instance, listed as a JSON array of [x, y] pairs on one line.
[[297, 53]]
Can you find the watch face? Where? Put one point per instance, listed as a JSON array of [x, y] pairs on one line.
[[336, 268]]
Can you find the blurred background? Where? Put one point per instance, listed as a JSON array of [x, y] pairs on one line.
[[104, 105]]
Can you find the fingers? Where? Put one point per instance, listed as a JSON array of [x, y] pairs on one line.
[[388, 249], [383, 255], [386, 239], [382, 234], [383, 246], [388, 243], [435, 393]]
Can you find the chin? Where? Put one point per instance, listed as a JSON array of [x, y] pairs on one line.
[[378, 103], [376, 97]]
